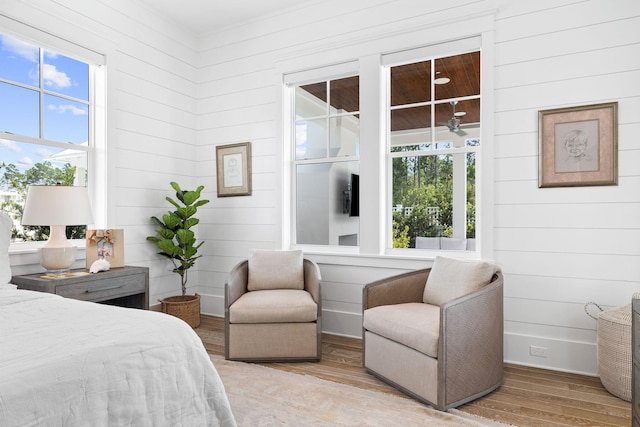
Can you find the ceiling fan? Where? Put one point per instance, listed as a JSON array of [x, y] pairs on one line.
[[453, 124]]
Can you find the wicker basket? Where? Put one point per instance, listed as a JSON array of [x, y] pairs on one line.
[[614, 351], [185, 307]]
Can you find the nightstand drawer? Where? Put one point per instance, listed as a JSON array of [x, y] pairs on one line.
[[103, 289]]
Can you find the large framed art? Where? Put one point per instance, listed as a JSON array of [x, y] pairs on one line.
[[578, 146], [233, 163]]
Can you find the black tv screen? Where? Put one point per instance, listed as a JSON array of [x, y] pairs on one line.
[[355, 195]]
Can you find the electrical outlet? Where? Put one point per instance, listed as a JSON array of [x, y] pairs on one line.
[[538, 351]]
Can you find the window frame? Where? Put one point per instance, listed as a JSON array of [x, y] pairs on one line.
[[411, 57], [96, 102], [370, 57]]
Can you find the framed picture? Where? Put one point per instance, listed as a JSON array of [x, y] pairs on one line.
[[578, 146], [233, 163], [107, 245]]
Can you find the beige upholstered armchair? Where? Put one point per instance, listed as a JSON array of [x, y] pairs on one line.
[[273, 308], [437, 334]]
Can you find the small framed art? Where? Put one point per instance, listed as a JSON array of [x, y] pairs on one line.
[[578, 146], [233, 163], [107, 245]]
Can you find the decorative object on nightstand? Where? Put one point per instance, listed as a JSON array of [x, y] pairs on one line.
[[177, 242], [57, 206], [107, 245]]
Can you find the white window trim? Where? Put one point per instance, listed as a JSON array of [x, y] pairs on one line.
[[25, 252], [480, 27]]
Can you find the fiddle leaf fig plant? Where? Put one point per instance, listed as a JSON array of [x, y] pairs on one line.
[[174, 237]]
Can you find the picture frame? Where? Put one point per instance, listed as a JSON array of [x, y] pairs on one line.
[[233, 164], [578, 146], [105, 244]]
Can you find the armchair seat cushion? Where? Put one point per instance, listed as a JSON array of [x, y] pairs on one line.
[[274, 306], [413, 324]]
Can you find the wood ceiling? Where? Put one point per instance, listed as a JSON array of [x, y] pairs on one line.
[[411, 84]]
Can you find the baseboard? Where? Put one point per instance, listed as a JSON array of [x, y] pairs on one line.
[[564, 356]]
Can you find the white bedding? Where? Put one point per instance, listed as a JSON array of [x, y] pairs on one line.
[[72, 363]]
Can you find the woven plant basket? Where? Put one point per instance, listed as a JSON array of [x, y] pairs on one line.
[[614, 350], [185, 307]]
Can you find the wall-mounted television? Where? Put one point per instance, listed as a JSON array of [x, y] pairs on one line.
[[354, 209]]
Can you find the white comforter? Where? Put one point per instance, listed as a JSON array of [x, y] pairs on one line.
[[71, 363]]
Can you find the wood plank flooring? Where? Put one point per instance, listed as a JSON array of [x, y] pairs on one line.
[[529, 396]]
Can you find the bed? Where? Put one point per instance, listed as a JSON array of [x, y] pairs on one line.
[[65, 362]]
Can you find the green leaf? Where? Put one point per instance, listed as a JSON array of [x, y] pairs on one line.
[[171, 220], [187, 211], [186, 237]]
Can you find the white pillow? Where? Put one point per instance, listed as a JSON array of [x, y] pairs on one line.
[[452, 278], [275, 270], [5, 238]]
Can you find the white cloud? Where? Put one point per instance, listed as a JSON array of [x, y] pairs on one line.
[[62, 109], [20, 48], [44, 152], [54, 78], [10, 145], [25, 163]]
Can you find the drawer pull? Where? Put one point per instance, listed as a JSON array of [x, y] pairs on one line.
[[105, 288]]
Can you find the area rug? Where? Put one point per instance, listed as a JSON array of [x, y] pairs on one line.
[[262, 396]]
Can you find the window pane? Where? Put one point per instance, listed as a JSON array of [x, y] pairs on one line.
[[326, 204], [463, 72], [411, 83], [422, 198], [41, 164], [311, 100], [345, 95], [345, 136], [311, 139], [19, 61], [19, 110], [459, 119], [65, 75], [65, 120], [411, 126]]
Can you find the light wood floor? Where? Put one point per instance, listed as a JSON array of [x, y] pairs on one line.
[[528, 397]]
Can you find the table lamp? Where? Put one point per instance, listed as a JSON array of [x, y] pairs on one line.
[[57, 206]]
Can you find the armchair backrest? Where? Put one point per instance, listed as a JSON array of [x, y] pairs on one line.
[[237, 281]]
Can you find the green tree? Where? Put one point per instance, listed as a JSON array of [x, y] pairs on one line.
[[12, 179], [421, 182]]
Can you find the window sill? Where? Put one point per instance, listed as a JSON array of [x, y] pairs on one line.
[[402, 259]]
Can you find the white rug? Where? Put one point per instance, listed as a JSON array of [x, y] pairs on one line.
[[261, 396]]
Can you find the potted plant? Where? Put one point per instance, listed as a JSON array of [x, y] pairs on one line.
[[177, 242]]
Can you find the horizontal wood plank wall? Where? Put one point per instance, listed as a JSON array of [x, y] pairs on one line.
[[563, 247]]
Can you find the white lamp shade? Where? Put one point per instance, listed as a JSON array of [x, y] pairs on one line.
[[57, 205]]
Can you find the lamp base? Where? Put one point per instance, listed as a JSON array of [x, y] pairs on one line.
[[58, 259]]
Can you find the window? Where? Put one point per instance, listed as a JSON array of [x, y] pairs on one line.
[[412, 179], [327, 144], [434, 133], [46, 120]]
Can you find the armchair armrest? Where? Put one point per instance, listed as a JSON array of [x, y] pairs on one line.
[[236, 283], [312, 279], [402, 288], [471, 342]]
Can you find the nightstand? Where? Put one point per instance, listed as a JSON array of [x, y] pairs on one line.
[[126, 286]]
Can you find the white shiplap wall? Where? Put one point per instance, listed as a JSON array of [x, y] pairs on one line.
[[563, 247], [559, 248], [173, 97]]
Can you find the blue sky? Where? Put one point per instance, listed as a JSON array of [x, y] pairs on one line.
[[64, 119]]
